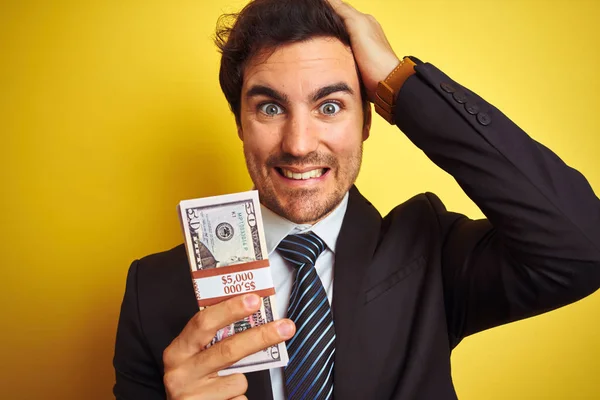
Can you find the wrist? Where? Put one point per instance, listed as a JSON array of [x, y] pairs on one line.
[[386, 68]]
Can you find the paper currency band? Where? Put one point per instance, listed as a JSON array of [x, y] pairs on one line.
[[230, 269], [214, 289]]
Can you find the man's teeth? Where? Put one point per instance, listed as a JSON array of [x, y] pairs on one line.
[[315, 173]]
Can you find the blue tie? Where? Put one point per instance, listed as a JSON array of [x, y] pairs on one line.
[[309, 373]]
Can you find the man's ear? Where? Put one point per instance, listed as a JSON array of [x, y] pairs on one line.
[[367, 122], [240, 132]]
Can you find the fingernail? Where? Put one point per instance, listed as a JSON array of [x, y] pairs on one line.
[[285, 329], [251, 301]]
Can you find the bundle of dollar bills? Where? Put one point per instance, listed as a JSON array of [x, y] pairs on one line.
[[227, 253]]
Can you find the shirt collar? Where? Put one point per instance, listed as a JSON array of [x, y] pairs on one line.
[[328, 229]]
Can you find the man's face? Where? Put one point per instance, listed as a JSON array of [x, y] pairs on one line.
[[302, 124]]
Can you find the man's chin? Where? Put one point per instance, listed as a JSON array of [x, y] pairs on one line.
[[305, 208], [302, 216]]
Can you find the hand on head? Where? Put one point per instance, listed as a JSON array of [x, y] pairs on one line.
[[372, 51]]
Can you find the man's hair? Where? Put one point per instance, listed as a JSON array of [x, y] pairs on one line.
[[265, 25]]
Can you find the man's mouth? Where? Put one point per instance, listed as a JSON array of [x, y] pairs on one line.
[[302, 175]]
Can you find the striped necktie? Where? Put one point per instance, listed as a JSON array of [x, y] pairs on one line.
[[309, 373]]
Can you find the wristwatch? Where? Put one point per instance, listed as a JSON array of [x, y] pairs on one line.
[[387, 90]]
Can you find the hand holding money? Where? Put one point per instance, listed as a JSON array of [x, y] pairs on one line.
[[191, 369], [227, 253]]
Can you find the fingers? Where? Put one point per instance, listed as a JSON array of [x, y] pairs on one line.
[[202, 328], [372, 51], [343, 9], [227, 387], [356, 22], [232, 349], [215, 388]]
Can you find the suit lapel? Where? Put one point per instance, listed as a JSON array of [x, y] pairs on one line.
[[354, 250]]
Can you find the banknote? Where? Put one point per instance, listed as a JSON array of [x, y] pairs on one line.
[[227, 253]]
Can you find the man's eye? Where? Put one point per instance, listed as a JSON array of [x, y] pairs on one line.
[[329, 108], [271, 109]]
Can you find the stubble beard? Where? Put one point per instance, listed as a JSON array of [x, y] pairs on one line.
[[303, 206]]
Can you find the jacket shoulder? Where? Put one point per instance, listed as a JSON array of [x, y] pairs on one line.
[[164, 277], [165, 293], [417, 207], [164, 264], [423, 218]]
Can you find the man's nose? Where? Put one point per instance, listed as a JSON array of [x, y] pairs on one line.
[[300, 136]]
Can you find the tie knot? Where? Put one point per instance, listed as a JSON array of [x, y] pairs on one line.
[[301, 249]]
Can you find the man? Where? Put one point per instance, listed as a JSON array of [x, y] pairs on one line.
[[298, 76]]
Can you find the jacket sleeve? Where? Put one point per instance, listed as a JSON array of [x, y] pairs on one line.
[[137, 373], [539, 247]]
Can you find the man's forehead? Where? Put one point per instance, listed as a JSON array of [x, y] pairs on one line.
[[310, 49], [321, 57]]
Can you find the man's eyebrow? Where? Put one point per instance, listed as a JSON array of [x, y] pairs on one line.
[[261, 90], [329, 89]]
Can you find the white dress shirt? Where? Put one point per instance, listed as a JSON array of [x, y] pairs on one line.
[[276, 229]]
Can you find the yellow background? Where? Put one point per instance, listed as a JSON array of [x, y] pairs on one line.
[[110, 113]]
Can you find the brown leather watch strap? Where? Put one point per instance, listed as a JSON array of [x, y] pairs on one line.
[[387, 90]]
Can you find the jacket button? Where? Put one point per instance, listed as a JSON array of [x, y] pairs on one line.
[[448, 88], [472, 108], [460, 97], [484, 118]]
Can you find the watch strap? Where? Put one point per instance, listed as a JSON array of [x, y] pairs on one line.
[[387, 90]]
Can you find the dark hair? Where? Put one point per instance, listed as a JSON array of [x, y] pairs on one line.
[[267, 24]]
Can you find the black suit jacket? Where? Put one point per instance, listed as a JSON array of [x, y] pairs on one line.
[[408, 287]]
